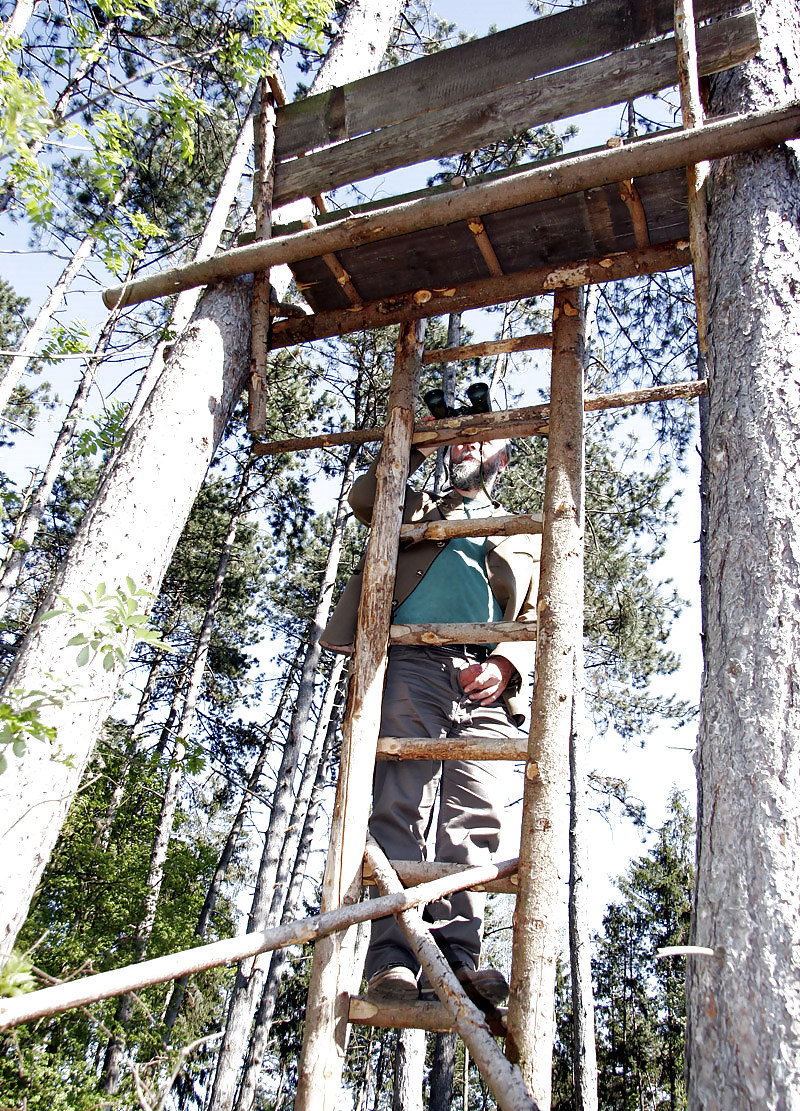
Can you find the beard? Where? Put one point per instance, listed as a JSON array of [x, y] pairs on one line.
[[472, 474]]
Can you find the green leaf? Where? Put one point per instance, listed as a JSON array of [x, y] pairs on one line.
[[83, 656], [108, 661], [19, 747]]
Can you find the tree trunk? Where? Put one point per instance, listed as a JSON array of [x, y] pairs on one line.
[[231, 842], [169, 805], [744, 1003], [269, 894], [409, 1062], [584, 1053], [186, 302], [25, 534], [16, 368], [134, 522], [130, 529], [305, 816], [442, 1072], [17, 21]]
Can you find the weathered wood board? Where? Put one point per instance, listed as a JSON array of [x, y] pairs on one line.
[[496, 113]]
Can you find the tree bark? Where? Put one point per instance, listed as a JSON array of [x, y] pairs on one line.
[[130, 529], [744, 1003], [409, 1061], [442, 1072]]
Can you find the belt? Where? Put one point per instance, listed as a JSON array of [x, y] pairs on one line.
[[476, 651]]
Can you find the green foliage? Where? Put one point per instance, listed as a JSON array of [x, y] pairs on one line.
[[109, 618], [26, 119], [640, 1001], [105, 433], [71, 338], [16, 976], [21, 723]]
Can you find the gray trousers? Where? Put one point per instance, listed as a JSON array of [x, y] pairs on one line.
[[423, 698]]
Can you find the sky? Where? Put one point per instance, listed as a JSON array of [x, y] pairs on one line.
[[665, 759]]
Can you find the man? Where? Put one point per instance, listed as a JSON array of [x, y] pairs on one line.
[[449, 691]]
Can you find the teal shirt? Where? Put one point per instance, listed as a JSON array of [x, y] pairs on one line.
[[455, 587]]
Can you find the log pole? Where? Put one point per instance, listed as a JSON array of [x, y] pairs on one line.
[[544, 813]]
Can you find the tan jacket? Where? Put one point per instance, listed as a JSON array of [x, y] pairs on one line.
[[512, 567]]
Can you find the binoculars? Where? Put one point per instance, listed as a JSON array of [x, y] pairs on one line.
[[479, 402]]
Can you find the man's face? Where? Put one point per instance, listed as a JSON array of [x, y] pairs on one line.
[[476, 464]]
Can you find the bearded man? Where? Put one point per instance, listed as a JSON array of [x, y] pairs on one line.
[[446, 692]]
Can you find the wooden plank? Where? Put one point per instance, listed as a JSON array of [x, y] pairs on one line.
[[449, 748], [541, 342], [412, 873], [521, 524], [462, 632], [666, 151], [517, 54], [495, 115]]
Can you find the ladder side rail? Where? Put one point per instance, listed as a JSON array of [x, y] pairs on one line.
[[544, 815], [322, 1058], [263, 189]]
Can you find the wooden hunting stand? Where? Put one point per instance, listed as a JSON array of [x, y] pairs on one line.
[[554, 226]]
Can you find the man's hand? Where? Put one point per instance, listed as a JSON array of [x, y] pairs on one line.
[[484, 683]]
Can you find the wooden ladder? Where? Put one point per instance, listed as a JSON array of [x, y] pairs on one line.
[[333, 1001]]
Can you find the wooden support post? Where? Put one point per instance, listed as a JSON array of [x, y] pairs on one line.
[[342, 278], [319, 1074], [503, 1079], [484, 245], [696, 173], [633, 202], [544, 814], [263, 181]]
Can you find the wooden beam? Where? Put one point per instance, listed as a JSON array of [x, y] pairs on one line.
[[413, 873], [522, 523], [633, 202], [668, 151], [478, 294], [403, 1016], [487, 426], [697, 173], [342, 278], [496, 113], [263, 186], [484, 245], [541, 342], [464, 748]]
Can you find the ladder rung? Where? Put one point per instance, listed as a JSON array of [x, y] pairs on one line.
[[463, 632], [411, 873], [449, 748], [390, 1013], [473, 526]]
